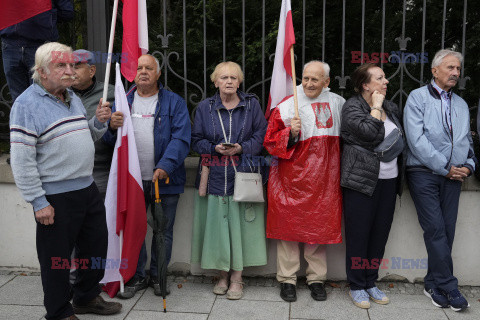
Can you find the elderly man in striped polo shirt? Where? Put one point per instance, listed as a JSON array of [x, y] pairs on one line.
[[52, 155]]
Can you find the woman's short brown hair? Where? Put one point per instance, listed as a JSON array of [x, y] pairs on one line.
[[361, 76], [229, 64]]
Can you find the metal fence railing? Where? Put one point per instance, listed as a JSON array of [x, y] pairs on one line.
[[191, 37]]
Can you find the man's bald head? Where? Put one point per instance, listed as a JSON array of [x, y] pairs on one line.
[[315, 77], [148, 73]]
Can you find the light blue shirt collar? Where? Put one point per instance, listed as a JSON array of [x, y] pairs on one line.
[[446, 95]]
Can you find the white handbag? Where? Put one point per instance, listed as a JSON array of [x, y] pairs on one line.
[[248, 186]]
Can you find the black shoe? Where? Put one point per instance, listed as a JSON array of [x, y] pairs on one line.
[[98, 306], [288, 292], [153, 283], [318, 291], [131, 287]]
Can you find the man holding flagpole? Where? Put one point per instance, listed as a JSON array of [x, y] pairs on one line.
[[304, 195], [162, 133], [90, 90]]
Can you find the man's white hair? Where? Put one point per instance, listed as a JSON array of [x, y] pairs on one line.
[[326, 67], [438, 58], [44, 54]]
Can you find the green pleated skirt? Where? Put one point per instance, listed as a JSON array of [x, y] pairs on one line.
[[228, 235]]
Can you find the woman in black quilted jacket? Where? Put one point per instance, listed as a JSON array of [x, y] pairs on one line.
[[369, 184]]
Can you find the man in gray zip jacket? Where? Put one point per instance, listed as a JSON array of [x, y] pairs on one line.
[[89, 90], [439, 158]]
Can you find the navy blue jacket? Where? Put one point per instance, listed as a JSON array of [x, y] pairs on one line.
[[245, 125], [171, 137], [40, 28]]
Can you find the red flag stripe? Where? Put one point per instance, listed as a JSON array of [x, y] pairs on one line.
[[289, 42], [13, 12], [122, 184], [135, 35], [130, 38], [135, 227]]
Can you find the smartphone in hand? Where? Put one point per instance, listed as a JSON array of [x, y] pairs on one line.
[[228, 145]]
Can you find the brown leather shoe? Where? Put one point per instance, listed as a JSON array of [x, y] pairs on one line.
[[72, 317], [98, 306]]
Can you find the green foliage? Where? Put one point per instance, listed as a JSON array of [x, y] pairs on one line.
[[75, 33]]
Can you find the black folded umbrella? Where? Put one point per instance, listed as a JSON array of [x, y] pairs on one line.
[[159, 225]]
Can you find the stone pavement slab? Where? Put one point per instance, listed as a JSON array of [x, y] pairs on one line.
[[127, 305], [190, 298], [390, 312], [337, 306], [405, 301], [471, 313], [225, 309], [256, 294], [5, 278], [21, 297], [152, 315], [22, 290], [18, 312], [419, 307]]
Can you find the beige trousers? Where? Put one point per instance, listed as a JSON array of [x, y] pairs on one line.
[[288, 261]]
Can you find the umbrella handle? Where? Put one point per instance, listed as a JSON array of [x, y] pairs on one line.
[[157, 193]]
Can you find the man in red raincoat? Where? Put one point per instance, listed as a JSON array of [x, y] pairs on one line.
[[304, 195]]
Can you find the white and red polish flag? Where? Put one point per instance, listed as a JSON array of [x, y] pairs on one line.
[[135, 35], [124, 202], [13, 12], [281, 85]]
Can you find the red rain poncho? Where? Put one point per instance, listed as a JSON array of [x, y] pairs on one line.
[[304, 194]]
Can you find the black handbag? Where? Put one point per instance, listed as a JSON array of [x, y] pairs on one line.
[[389, 148]]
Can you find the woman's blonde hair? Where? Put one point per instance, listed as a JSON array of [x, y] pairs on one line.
[[227, 64]]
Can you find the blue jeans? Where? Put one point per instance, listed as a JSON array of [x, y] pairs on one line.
[[169, 206], [436, 200], [17, 62]]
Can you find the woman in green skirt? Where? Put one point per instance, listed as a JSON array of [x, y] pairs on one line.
[[227, 235]]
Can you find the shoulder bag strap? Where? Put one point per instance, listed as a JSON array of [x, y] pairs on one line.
[[225, 136]]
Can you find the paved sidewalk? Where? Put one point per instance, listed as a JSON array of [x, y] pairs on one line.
[[192, 298]]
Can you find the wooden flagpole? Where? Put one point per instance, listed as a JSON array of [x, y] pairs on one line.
[[110, 50], [294, 80]]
